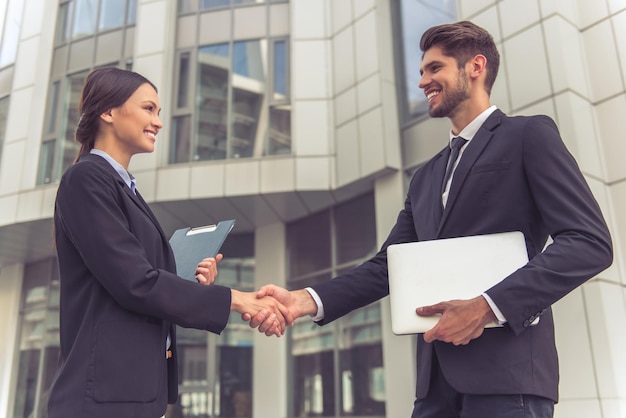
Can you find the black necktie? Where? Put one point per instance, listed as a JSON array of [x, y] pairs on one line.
[[456, 145]]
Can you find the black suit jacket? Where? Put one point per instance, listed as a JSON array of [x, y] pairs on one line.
[[119, 299], [515, 175]]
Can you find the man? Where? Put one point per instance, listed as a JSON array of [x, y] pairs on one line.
[[513, 174]]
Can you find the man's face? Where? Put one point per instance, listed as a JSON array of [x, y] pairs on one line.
[[445, 86]]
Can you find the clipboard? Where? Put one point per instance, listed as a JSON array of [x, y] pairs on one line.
[[192, 245], [425, 272]]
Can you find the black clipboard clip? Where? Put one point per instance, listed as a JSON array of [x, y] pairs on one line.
[[192, 245]]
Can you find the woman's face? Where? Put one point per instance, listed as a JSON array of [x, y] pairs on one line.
[[136, 123]]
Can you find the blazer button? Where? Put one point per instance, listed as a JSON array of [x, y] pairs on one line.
[[527, 323]]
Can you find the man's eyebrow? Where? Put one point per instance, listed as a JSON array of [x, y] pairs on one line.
[[430, 65]]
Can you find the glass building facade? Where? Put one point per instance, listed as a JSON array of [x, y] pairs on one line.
[[302, 120]]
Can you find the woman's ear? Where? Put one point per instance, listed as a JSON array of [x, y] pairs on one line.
[[107, 116]]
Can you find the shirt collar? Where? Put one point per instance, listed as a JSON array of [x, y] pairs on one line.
[[128, 178], [470, 130]]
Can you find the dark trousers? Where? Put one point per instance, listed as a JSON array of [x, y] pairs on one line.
[[443, 401]]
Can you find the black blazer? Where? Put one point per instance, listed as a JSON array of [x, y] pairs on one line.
[[119, 299], [515, 175]]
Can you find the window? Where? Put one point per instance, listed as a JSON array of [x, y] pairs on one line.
[[111, 14], [39, 339], [77, 20], [58, 150], [338, 368], [10, 31], [415, 17], [215, 372], [84, 18], [240, 105], [4, 113]]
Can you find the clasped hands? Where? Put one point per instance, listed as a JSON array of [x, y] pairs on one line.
[[272, 308], [269, 314]]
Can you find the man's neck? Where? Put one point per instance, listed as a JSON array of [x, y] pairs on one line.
[[467, 112]]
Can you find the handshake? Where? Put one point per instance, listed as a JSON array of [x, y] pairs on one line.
[[270, 309]]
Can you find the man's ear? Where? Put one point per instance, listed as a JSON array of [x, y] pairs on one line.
[[478, 66]]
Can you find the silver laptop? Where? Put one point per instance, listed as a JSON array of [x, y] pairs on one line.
[[428, 272]]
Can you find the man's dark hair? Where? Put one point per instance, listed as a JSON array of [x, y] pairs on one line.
[[463, 41]]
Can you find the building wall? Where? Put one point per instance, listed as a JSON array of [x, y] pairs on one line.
[[566, 59], [563, 58]]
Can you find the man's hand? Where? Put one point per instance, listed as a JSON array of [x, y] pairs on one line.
[[207, 269], [275, 315], [297, 302], [461, 320]]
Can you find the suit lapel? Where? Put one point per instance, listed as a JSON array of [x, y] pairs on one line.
[[471, 153], [439, 171]]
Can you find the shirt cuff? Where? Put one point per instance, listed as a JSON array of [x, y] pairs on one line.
[[320, 307], [500, 319]]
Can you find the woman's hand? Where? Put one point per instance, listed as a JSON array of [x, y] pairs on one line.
[[207, 270]]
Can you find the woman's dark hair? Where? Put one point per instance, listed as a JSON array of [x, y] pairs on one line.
[[463, 41], [105, 89]]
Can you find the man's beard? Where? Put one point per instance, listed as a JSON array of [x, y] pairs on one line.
[[451, 100]]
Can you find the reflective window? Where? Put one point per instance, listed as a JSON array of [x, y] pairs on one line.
[[415, 18], [215, 372], [38, 340], [10, 31], [111, 14], [338, 368], [57, 155], [131, 12], [62, 30], [212, 99], [4, 113], [85, 12], [236, 96], [213, 4], [76, 19]]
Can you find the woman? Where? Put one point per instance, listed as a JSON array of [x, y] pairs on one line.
[[119, 295]]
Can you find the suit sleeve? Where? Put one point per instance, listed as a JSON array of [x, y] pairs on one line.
[[581, 245], [367, 282], [89, 212]]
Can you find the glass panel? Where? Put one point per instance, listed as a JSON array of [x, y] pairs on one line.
[[280, 71], [131, 12], [46, 162], [314, 391], [248, 1], [111, 14], [416, 17], [248, 97], [212, 130], [309, 244], [233, 394], [355, 223], [280, 130], [85, 13], [26, 389], [362, 381], [53, 103], [187, 6], [246, 113], [180, 144], [70, 146], [213, 4], [4, 113], [183, 80], [10, 37], [62, 31], [38, 334]]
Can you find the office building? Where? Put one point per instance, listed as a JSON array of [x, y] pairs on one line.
[[302, 120]]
